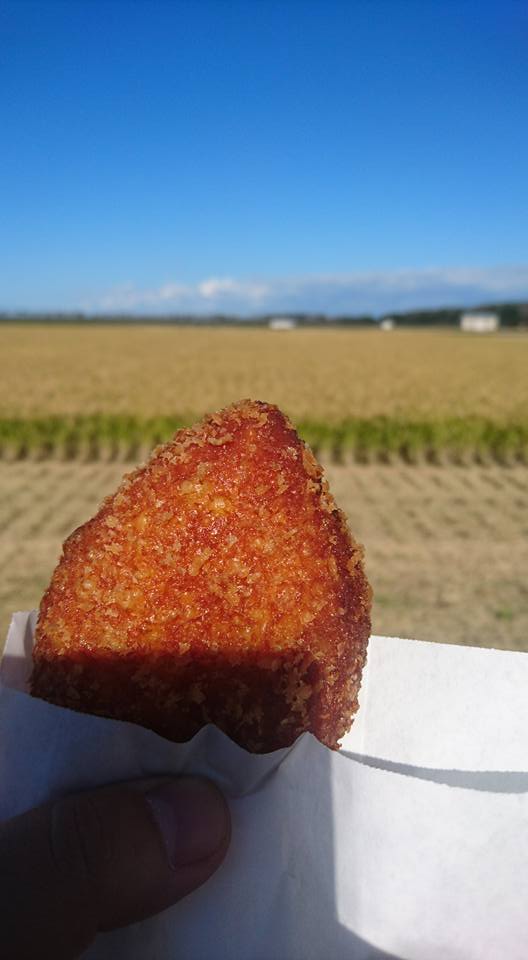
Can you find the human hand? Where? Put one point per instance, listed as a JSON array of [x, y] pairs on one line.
[[94, 861]]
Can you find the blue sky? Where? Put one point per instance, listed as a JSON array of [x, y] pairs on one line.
[[262, 155]]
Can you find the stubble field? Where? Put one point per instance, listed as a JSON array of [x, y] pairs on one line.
[[446, 547]]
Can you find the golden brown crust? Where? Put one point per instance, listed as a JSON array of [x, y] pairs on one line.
[[218, 584]]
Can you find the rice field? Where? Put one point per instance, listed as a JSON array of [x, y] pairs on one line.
[[327, 376], [379, 439], [425, 434], [110, 393]]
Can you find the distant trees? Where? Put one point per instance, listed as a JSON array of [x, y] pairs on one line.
[[510, 314]]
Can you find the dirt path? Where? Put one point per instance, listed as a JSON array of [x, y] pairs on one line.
[[447, 547]]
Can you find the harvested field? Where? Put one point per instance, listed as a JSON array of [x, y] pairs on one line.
[[447, 547]]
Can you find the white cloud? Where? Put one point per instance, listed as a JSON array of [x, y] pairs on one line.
[[130, 298], [168, 293], [217, 287], [374, 292]]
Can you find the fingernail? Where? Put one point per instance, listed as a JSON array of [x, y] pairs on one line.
[[192, 817]]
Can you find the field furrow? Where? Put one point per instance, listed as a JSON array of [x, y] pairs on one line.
[[446, 548]]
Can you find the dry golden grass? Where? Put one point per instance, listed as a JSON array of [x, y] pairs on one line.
[[324, 375]]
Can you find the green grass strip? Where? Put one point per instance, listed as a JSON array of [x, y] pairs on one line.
[[105, 436]]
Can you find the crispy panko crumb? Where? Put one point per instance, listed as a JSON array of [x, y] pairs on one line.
[[219, 584]]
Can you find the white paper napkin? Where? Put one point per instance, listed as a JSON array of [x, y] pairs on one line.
[[411, 843]]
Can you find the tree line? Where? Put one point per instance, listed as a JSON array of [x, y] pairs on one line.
[[510, 315]]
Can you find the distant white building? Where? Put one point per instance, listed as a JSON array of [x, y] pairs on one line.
[[282, 323], [479, 322], [387, 323]]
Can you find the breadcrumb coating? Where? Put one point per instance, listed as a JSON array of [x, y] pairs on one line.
[[219, 584]]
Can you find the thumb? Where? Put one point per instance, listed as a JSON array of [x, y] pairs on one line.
[[98, 860]]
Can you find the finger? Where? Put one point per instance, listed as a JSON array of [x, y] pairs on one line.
[[98, 860]]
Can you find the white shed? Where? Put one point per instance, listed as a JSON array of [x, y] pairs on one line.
[[282, 323], [481, 322]]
